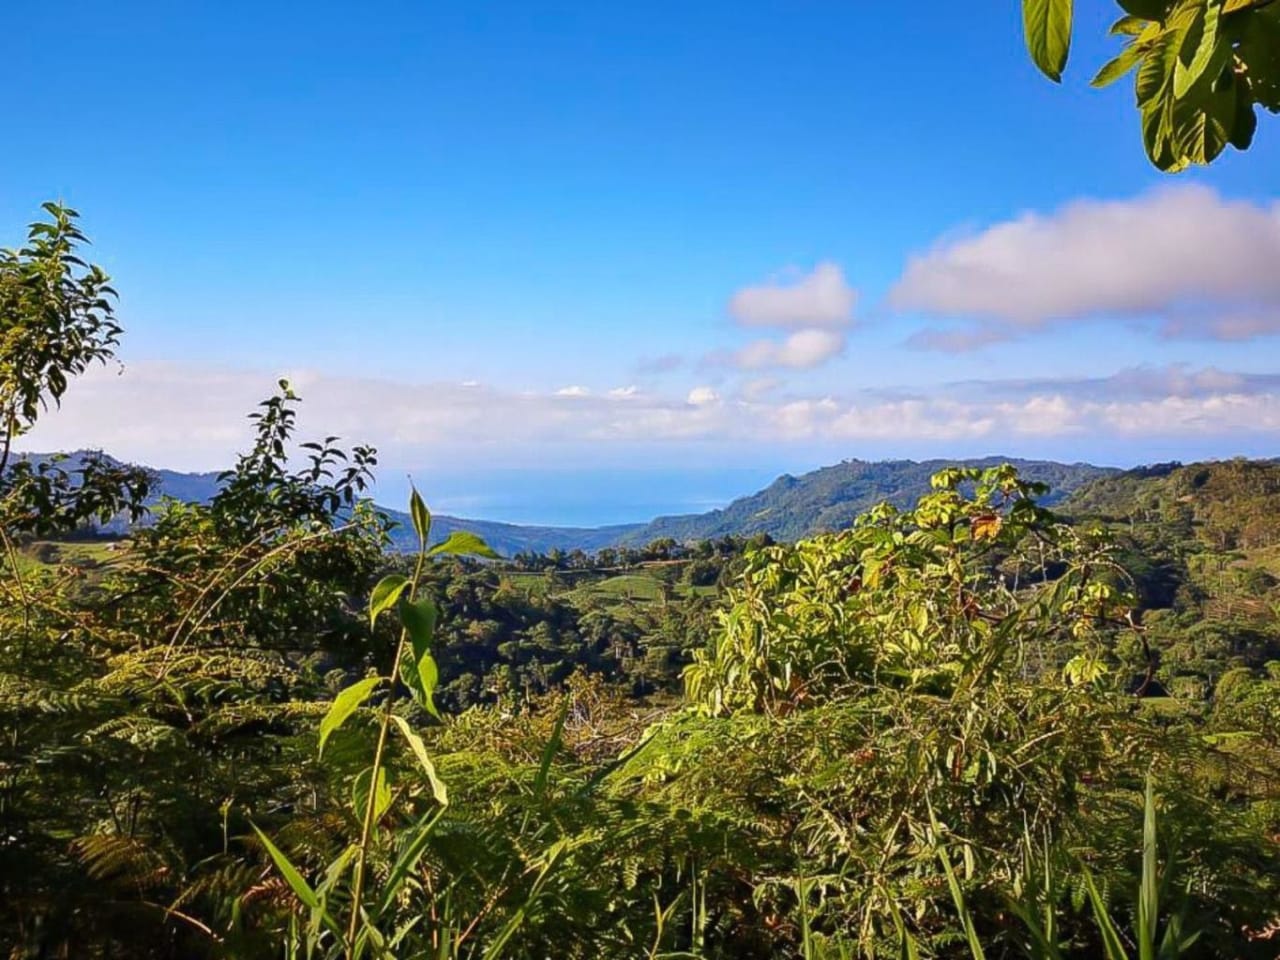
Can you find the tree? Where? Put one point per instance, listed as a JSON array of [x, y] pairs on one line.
[[57, 319], [1201, 68]]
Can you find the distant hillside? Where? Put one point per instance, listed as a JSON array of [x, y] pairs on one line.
[[788, 509], [506, 538], [509, 539], [830, 498], [1227, 504]]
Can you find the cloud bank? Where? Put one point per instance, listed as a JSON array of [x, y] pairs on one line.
[[189, 417]]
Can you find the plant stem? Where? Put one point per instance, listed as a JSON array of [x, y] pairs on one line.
[[366, 830]]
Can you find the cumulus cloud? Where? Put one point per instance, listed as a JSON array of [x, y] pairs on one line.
[[189, 417], [573, 391], [802, 350], [1191, 261], [820, 298]]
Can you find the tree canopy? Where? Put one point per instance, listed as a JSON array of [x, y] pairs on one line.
[[1201, 69]]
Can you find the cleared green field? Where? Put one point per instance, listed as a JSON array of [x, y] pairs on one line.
[[627, 586], [49, 554]]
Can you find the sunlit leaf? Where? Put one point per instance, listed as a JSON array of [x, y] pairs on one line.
[[422, 676], [464, 543], [986, 526], [421, 517], [438, 789], [1047, 27], [381, 795], [1114, 69], [385, 595], [344, 705], [297, 883], [1209, 49]]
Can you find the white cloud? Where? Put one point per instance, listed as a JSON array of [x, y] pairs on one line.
[[820, 298], [190, 417], [802, 350], [1199, 264], [573, 391]]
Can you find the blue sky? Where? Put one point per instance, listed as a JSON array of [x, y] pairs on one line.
[[669, 251]]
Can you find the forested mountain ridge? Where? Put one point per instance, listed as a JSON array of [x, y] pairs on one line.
[[1227, 504], [788, 509], [507, 539], [829, 498]]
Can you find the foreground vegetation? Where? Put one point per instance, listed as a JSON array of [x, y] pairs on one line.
[[973, 727]]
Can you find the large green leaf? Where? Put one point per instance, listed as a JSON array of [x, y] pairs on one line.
[[385, 595], [297, 883], [438, 789], [1204, 50], [344, 705], [421, 517], [381, 793], [422, 676], [1119, 66], [464, 543], [1203, 135], [1047, 27], [1111, 940], [1157, 65], [418, 837], [1148, 890]]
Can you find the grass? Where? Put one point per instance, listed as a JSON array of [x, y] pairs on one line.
[[42, 555], [635, 585], [628, 586]]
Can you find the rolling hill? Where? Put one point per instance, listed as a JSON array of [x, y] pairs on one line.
[[830, 497], [789, 508]]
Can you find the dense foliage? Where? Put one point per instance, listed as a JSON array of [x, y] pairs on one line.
[[1201, 69], [961, 727]]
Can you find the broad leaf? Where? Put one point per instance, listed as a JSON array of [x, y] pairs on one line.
[[464, 543], [1206, 47], [344, 705], [1117, 68], [421, 517], [381, 795], [419, 620], [438, 789], [1157, 64], [385, 595], [1047, 26], [1128, 26]]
